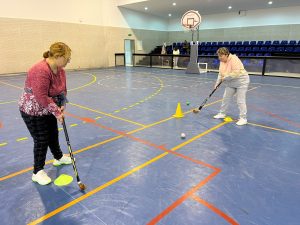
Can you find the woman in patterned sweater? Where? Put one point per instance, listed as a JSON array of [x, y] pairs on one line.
[[42, 104]]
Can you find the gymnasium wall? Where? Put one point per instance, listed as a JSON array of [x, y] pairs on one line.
[[95, 31], [268, 24], [23, 41]]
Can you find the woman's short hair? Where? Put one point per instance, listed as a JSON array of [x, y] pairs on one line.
[[58, 49], [223, 51]]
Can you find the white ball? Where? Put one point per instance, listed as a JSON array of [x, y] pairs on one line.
[[182, 135]]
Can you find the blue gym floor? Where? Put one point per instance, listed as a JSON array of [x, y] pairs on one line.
[[136, 167]]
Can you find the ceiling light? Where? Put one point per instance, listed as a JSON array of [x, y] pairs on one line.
[[230, 7], [270, 2], [174, 3], [170, 14], [146, 8]]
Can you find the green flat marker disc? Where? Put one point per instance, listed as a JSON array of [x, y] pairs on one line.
[[63, 180]]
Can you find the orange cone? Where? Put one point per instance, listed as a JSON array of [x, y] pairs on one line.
[[178, 113]]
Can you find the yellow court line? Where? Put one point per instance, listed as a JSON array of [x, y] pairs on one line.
[[3, 144], [124, 175], [11, 85], [74, 125], [88, 84], [146, 98], [273, 128], [1, 103], [84, 149], [106, 114], [22, 139]]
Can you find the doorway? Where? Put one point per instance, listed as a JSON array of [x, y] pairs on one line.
[[129, 47]]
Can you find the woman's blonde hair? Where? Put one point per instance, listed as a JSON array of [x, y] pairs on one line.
[[58, 49], [223, 51]]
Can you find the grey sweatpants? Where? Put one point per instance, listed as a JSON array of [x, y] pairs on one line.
[[239, 87]]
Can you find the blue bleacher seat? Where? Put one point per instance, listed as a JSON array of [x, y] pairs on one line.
[[255, 49], [292, 42], [275, 42], [246, 43], [208, 49], [226, 43], [214, 43], [243, 54], [232, 43], [272, 49], [279, 49], [241, 49], [263, 49], [289, 49], [297, 50], [284, 42], [220, 43], [203, 43], [239, 43], [267, 43], [267, 54], [252, 43], [251, 54], [260, 42], [259, 54], [248, 49], [208, 43]]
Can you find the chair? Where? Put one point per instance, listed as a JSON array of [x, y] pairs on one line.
[[267, 43], [260, 43], [239, 43], [280, 49], [246, 43], [263, 49], [289, 49], [275, 42], [292, 42], [255, 49], [252, 43]]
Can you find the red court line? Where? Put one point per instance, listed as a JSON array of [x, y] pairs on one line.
[[183, 198], [276, 116], [1, 125], [161, 147], [215, 210]]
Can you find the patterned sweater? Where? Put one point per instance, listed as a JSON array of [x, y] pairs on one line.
[[40, 91]]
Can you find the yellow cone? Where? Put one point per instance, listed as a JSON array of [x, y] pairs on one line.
[[178, 113]]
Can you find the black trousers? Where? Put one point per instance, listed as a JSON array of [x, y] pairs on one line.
[[44, 132]]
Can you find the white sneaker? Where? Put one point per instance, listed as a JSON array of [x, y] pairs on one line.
[[41, 178], [64, 160], [241, 122], [220, 116]]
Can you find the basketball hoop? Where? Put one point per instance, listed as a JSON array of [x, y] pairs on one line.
[[191, 20]]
